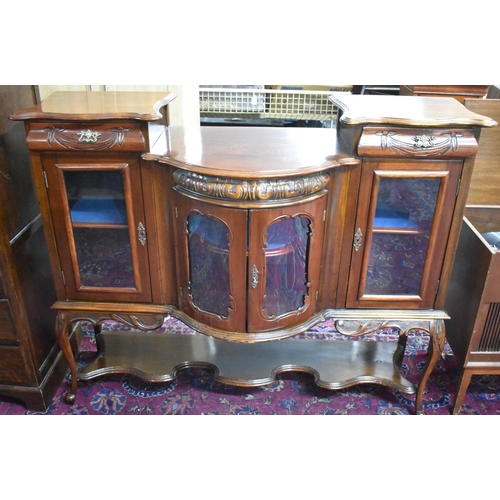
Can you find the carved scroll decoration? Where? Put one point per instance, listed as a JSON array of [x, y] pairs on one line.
[[86, 139], [418, 145], [359, 328], [253, 189]]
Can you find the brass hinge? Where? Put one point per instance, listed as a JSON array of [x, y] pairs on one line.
[[458, 186], [45, 179], [176, 214], [63, 278], [324, 215], [437, 286]]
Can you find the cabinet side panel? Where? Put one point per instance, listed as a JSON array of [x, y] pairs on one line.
[[465, 290], [38, 292], [17, 194]]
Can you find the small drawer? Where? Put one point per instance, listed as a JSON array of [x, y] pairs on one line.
[[419, 143], [85, 137], [12, 366], [7, 328]]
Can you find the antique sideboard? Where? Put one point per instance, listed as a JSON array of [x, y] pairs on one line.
[[250, 236]]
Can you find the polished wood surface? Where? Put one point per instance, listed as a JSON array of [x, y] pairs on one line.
[[485, 182], [242, 152], [248, 365], [98, 105], [406, 110], [474, 282], [458, 92], [473, 293], [246, 179]]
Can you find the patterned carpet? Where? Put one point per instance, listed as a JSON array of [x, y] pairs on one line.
[[195, 392]]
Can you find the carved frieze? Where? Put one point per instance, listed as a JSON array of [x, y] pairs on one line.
[[85, 138], [251, 189], [379, 141]]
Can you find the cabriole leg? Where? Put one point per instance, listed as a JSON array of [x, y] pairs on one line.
[[437, 338], [61, 328]]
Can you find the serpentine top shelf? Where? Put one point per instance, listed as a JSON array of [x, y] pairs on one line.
[[406, 110], [98, 105], [248, 152]]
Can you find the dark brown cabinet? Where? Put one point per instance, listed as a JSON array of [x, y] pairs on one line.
[[251, 235], [97, 210], [31, 363]]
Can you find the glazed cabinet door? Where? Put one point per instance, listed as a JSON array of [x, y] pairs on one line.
[[98, 215], [211, 249], [403, 221], [284, 264]]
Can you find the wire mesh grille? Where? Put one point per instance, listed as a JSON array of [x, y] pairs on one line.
[[268, 103]]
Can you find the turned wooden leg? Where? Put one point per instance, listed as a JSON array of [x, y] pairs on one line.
[[462, 386], [437, 338], [61, 328]]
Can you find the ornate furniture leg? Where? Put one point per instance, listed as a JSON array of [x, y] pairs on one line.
[[437, 334], [61, 328]]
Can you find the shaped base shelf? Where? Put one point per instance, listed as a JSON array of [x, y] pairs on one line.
[[157, 357]]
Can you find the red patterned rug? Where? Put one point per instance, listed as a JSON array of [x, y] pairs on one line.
[[196, 392]]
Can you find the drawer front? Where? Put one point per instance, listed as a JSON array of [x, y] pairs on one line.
[[85, 137], [12, 366], [420, 143], [7, 328]]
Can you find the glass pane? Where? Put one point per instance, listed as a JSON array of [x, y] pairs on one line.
[[402, 226], [396, 264], [96, 196], [406, 202], [208, 246], [286, 265], [104, 257], [98, 214]]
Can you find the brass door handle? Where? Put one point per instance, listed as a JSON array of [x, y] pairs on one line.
[[254, 277], [358, 236], [141, 233]]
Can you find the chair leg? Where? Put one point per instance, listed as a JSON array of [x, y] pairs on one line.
[[462, 386]]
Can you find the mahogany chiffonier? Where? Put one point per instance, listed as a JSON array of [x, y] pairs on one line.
[[252, 235], [32, 366], [474, 293]]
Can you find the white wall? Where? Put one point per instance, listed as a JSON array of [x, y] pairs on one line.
[[184, 109]]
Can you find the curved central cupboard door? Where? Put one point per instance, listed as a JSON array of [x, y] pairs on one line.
[[283, 265], [249, 270], [104, 254], [212, 251]]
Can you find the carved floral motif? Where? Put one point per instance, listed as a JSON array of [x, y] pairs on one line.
[[253, 189], [86, 139], [418, 144]]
